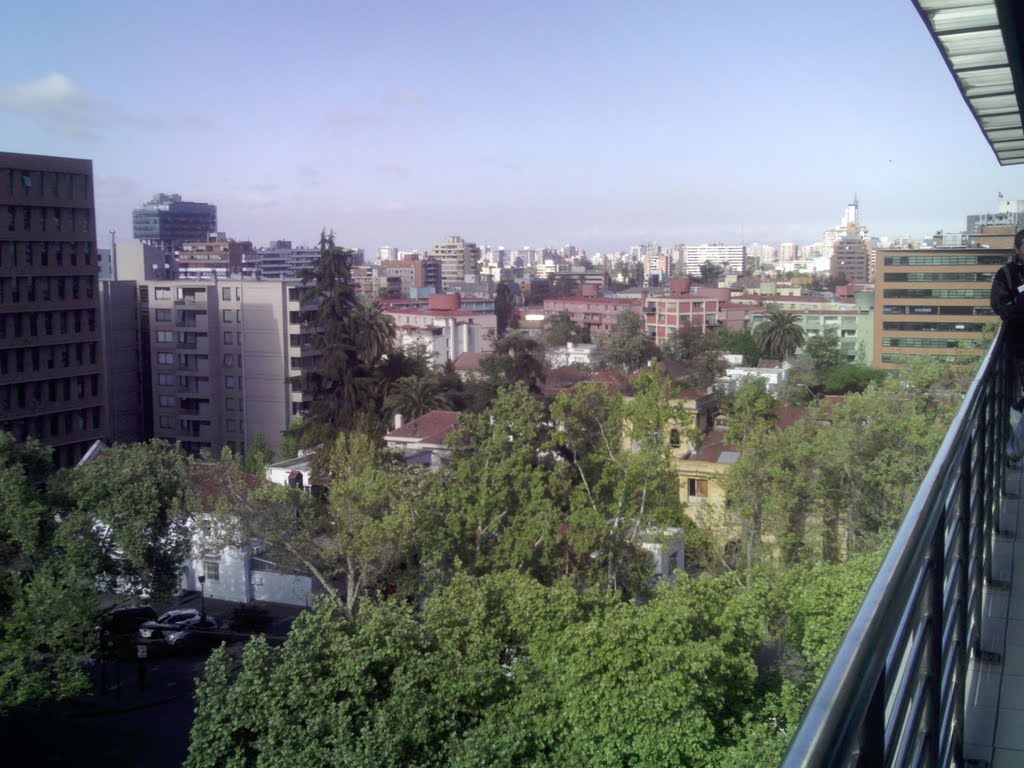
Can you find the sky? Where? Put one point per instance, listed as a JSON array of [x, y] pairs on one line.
[[520, 123]]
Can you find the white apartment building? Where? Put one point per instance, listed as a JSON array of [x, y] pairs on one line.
[[733, 258], [448, 332], [219, 358], [280, 261]]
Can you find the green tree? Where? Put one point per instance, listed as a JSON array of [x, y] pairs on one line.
[[371, 515], [116, 524], [780, 335], [414, 396], [739, 343], [850, 377], [562, 329], [482, 520], [340, 385], [291, 439], [711, 273], [627, 346], [372, 331], [694, 346], [505, 309], [616, 453], [258, 455], [823, 350], [515, 358], [751, 408], [48, 599], [138, 499]]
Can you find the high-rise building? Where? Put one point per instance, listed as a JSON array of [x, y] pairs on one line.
[[732, 258], [219, 360], [851, 259], [167, 222], [51, 357], [932, 302], [460, 261], [213, 256], [1008, 213], [386, 253]]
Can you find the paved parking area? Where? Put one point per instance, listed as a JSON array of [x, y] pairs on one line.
[[125, 722]]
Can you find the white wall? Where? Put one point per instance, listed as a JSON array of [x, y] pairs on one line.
[[282, 588]]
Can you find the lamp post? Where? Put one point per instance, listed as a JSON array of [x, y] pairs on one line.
[[202, 596]]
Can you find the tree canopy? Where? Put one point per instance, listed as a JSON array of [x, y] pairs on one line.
[[627, 347], [780, 335]]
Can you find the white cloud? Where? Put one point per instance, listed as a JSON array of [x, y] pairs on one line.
[[54, 98], [68, 110]]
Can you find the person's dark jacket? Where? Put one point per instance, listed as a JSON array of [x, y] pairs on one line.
[[1008, 302]]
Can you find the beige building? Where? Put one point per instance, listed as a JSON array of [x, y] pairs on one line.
[[932, 302], [460, 262], [221, 359], [51, 366]]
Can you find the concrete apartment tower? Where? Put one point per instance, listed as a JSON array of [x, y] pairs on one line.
[[460, 262], [51, 356], [219, 358]]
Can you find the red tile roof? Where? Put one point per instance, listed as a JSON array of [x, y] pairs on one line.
[[432, 427], [469, 361], [213, 484]]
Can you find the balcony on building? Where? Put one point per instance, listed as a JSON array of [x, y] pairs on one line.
[[931, 670]]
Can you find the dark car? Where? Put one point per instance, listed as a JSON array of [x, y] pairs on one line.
[[126, 621], [168, 622]]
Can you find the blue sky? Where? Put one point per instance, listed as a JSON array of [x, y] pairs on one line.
[[518, 123]]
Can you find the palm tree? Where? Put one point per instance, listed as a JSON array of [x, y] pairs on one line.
[[780, 335], [412, 396], [373, 332]]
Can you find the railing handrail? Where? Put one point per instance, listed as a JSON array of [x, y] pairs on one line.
[[832, 729]]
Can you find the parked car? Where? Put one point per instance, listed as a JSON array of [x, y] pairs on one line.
[[126, 621], [204, 633], [176, 619]]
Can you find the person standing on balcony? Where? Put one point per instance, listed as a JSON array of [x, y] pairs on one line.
[[1007, 300]]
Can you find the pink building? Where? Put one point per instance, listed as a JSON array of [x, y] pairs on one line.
[[685, 305], [597, 313]]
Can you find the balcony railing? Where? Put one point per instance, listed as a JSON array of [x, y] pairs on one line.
[[895, 694]]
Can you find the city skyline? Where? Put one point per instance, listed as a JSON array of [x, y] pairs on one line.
[[585, 123]]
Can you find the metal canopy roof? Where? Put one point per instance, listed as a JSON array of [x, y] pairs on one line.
[[982, 43]]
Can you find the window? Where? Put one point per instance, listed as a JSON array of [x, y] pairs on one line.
[[211, 568], [238, 338], [229, 382], [167, 401], [229, 404], [163, 315], [165, 379], [238, 315], [162, 294], [238, 293], [164, 337], [226, 315], [231, 425], [673, 439], [229, 361], [225, 294], [165, 422], [165, 358], [229, 337]]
